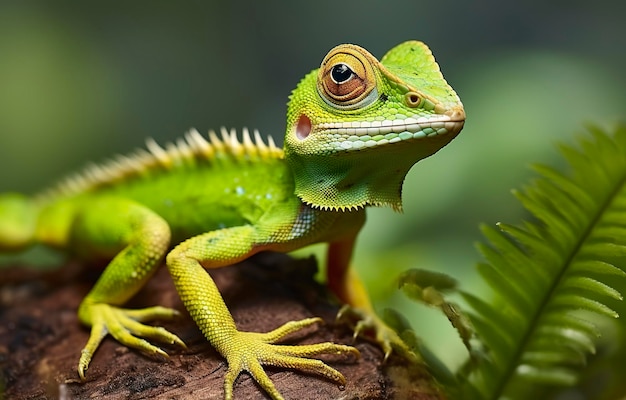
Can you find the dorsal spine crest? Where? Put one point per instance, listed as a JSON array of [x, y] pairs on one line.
[[189, 150]]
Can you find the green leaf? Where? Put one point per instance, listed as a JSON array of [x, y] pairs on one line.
[[597, 267], [543, 272], [552, 376], [592, 286]]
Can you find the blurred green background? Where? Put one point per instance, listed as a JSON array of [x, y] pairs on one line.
[[80, 81]]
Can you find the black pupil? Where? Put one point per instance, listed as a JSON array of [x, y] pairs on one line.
[[341, 73]]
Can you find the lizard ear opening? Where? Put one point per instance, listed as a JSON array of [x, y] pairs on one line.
[[346, 78], [303, 128]]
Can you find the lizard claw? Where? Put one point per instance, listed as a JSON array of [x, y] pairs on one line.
[[127, 328], [368, 325]]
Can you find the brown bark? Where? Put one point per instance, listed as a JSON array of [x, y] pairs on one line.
[[41, 338]]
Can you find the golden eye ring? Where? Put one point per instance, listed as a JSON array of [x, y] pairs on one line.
[[346, 79], [412, 99]]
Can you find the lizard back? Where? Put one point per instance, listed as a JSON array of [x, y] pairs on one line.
[[187, 151]]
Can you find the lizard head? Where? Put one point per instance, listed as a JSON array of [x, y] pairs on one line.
[[357, 125]]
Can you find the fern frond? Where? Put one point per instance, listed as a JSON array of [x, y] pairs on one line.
[[543, 272]]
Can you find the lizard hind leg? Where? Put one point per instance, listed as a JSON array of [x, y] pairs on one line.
[[137, 238], [18, 219]]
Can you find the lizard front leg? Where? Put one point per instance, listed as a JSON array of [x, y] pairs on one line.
[[138, 239], [244, 351], [348, 287]]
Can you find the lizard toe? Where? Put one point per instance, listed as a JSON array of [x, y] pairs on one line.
[[125, 326], [368, 325], [250, 351]]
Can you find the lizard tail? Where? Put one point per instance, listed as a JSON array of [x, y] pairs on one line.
[[18, 222]]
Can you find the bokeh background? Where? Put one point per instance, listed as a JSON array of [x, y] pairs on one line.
[[80, 81]]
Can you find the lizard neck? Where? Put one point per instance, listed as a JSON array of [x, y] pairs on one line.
[[348, 181]]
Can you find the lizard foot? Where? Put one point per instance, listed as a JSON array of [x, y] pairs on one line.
[[249, 351], [369, 325], [127, 328]]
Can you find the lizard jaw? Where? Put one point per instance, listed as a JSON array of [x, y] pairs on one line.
[[356, 135]]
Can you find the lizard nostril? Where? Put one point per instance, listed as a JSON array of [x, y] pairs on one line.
[[303, 129]]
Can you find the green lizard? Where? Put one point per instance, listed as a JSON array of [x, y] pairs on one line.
[[354, 128]]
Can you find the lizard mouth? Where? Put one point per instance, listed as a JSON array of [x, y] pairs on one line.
[[366, 134]]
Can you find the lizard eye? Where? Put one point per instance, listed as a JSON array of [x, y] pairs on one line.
[[346, 79]]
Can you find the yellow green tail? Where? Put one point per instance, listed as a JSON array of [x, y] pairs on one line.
[[18, 221]]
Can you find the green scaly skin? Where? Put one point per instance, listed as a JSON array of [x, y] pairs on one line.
[[354, 129]]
